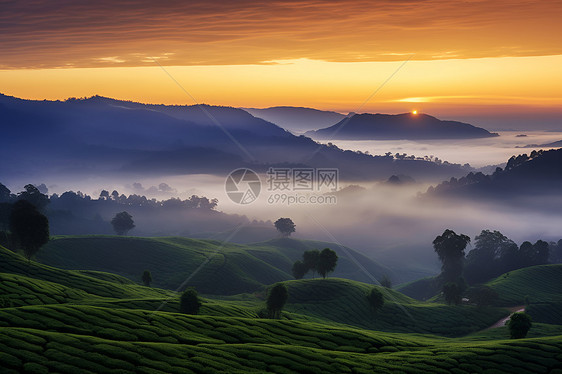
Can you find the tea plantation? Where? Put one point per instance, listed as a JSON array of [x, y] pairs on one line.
[[69, 321]]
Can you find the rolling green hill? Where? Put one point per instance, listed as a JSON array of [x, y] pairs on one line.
[[229, 268], [345, 302], [541, 283], [98, 284], [70, 321]]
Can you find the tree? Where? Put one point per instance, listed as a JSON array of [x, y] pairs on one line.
[[327, 261], [285, 226], [452, 293], [375, 299], [5, 194], [519, 325], [34, 196], [276, 299], [189, 301], [485, 261], [310, 260], [122, 223], [299, 269], [482, 296], [29, 228], [450, 249], [146, 278], [386, 282]]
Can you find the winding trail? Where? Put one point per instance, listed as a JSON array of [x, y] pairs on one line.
[[501, 322]]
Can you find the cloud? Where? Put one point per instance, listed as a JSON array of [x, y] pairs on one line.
[[43, 34]]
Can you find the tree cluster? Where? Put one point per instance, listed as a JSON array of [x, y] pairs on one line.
[[323, 262], [493, 254]]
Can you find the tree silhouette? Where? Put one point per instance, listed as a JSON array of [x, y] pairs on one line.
[[326, 262], [285, 226], [386, 282], [122, 223], [519, 325], [29, 227], [452, 293], [482, 295], [310, 260], [375, 299], [189, 302], [146, 278], [299, 269], [276, 299], [34, 196], [450, 249]]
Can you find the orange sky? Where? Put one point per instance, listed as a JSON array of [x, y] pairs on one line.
[[467, 55]]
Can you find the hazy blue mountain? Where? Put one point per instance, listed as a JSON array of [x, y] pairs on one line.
[[99, 135], [296, 119], [556, 144], [398, 126]]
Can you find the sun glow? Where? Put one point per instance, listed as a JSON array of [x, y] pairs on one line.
[[414, 112]]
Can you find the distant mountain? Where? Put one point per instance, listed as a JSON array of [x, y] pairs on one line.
[[557, 144], [398, 126], [525, 176], [296, 119], [101, 135]]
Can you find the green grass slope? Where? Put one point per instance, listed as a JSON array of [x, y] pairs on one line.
[[15, 264], [541, 283], [344, 301], [124, 333], [228, 268], [95, 340]]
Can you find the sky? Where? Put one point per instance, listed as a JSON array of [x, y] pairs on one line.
[[463, 59]]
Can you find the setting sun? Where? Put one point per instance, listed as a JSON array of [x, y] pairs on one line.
[[414, 112]]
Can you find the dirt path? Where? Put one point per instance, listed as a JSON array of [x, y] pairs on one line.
[[501, 322]]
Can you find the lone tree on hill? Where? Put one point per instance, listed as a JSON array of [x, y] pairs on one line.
[[146, 278], [450, 249], [29, 228], [519, 325], [276, 299], [189, 302], [285, 226], [375, 299], [122, 223], [386, 282], [327, 261]]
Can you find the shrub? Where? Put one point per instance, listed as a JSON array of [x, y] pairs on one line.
[[375, 299], [519, 324], [189, 302]]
